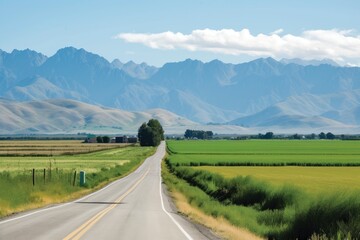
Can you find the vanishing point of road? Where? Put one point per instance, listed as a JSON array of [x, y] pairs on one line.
[[134, 207]]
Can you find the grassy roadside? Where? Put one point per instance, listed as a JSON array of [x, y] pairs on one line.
[[18, 194], [191, 201]]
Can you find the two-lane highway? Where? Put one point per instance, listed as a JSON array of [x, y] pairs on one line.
[[131, 208]]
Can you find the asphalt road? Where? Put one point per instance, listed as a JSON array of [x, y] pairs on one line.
[[134, 207]]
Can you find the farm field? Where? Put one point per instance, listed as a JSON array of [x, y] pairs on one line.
[[89, 162], [282, 189], [54, 175], [264, 152], [280, 147], [313, 180], [264, 159], [50, 147]]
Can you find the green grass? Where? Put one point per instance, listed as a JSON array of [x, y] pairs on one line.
[[266, 147], [17, 192], [261, 159], [287, 199], [314, 180], [265, 152]]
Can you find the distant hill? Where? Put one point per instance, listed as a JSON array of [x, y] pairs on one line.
[[213, 92], [308, 110], [69, 116], [279, 117]]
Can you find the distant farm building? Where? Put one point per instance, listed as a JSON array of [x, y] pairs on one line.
[[122, 139], [91, 139], [119, 139]]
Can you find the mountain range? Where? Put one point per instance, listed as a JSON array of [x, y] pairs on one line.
[[290, 93]]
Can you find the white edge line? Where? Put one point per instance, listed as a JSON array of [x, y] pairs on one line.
[[75, 201], [171, 217]]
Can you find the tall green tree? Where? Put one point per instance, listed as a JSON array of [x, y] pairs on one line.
[[151, 133], [156, 126], [99, 139], [269, 135], [329, 135], [106, 139], [322, 135]]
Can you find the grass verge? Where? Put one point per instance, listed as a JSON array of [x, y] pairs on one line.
[[191, 202]]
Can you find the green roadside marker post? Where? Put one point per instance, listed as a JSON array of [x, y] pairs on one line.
[[82, 178]]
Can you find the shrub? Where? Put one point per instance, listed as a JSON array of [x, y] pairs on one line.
[[330, 215]]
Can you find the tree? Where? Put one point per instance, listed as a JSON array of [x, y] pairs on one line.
[[322, 135], [156, 126], [99, 139], [188, 133], [313, 136], [151, 133], [269, 135], [296, 136], [105, 139], [329, 135], [209, 134], [144, 135]]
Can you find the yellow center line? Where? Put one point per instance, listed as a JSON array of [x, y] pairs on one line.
[[80, 231]]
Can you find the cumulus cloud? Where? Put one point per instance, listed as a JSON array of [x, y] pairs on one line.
[[340, 45]]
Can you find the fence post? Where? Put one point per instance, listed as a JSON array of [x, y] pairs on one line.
[[74, 178], [82, 178], [44, 175], [33, 175], [50, 172]]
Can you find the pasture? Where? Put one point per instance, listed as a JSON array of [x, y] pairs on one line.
[[57, 176], [282, 189], [89, 162], [50, 147]]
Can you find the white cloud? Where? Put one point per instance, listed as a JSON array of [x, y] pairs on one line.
[[340, 45], [277, 32]]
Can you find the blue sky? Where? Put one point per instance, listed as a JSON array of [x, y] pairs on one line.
[[47, 26]]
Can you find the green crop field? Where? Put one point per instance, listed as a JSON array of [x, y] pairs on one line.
[[101, 162], [264, 152], [261, 159], [281, 147], [278, 189], [314, 180]]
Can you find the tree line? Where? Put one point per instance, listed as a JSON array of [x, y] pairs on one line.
[[198, 134], [322, 135]]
